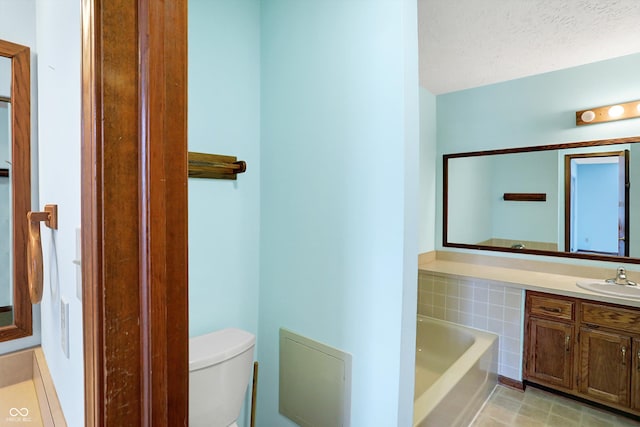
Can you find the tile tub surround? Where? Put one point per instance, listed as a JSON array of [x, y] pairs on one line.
[[480, 304], [551, 277], [25, 377]]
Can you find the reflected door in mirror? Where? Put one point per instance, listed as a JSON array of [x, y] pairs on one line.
[[597, 208]]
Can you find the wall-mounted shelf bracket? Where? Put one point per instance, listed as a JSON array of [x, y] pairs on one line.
[[34, 248], [215, 166]]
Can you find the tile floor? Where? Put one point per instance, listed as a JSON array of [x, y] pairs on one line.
[[537, 408]]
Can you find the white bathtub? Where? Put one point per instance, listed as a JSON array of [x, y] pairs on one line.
[[456, 370]]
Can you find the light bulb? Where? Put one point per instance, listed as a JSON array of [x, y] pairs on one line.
[[588, 116], [616, 111]]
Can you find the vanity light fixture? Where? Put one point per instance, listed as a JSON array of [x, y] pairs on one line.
[[616, 111], [608, 113]]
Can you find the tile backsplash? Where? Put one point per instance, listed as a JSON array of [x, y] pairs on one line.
[[480, 304]]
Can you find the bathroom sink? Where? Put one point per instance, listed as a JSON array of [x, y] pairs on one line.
[[603, 287]]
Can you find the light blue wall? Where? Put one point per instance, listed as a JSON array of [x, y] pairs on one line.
[[224, 118], [427, 223], [18, 24], [537, 110], [59, 84], [339, 195]]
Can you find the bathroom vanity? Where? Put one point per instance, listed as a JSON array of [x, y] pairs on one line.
[[576, 341], [586, 348]]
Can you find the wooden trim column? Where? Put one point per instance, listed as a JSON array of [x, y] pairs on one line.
[[134, 203]]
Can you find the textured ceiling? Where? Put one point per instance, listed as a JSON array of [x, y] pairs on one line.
[[470, 43]]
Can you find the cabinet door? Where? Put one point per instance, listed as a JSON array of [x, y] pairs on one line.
[[635, 375], [550, 356], [605, 366]]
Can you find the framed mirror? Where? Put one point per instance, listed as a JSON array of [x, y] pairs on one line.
[[574, 200], [15, 189]]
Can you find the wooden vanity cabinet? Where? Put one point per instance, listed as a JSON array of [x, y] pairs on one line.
[[635, 378], [585, 348], [551, 352], [550, 340], [605, 366]]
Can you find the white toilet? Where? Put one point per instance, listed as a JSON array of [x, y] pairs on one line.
[[220, 364]]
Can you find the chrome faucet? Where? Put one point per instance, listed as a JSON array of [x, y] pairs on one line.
[[621, 278]]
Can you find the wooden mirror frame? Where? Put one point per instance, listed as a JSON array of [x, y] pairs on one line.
[[445, 208], [20, 184]]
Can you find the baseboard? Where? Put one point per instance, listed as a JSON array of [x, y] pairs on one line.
[[511, 383]]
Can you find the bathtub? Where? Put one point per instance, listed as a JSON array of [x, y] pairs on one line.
[[456, 370]]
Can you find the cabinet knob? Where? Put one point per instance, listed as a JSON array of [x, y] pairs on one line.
[[638, 364], [567, 341], [624, 355]]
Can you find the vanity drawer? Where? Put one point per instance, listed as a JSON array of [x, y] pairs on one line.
[[610, 317], [546, 306]]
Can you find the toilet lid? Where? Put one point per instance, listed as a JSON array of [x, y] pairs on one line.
[[213, 348]]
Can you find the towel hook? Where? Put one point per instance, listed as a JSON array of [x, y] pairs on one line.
[[34, 248]]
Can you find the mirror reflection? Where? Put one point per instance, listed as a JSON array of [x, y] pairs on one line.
[[6, 303], [590, 207]]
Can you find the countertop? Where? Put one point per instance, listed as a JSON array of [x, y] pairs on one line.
[[528, 279], [19, 405]]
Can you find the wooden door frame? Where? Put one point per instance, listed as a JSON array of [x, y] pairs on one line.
[[134, 216]]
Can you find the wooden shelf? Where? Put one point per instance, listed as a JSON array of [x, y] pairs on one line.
[[215, 166], [4, 172], [525, 197]]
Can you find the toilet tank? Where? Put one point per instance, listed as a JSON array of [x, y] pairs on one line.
[[219, 370]]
